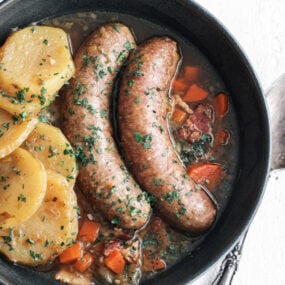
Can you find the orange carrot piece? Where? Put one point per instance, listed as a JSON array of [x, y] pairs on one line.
[[208, 174], [222, 137], [115, 261], [178, 116], [70, 254], [195, 93], [89, 231], [191, 73], [179, 85], [83, 263], [221, 105], [152, 264]]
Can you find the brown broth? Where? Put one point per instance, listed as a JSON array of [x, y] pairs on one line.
[[172, 245]]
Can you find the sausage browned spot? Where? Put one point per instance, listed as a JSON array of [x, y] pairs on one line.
[[87, 125], [143, 107]]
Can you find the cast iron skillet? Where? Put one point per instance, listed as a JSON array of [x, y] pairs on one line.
[[193, 23]]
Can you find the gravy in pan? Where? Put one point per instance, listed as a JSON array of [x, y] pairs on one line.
[[204, 133]]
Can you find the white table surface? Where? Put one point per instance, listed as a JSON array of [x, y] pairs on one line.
[[259, 28]]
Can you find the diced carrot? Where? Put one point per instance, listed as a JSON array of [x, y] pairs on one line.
[[195, 93], [115, 261], [221, 105], [152, 264], [178, 85], [89, 231], [178, 116], [222, 137], [208, 174], [83, 263], [70, 254], [191, 73]]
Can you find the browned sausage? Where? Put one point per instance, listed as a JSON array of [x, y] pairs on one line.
[[143, 107], [103, 175]]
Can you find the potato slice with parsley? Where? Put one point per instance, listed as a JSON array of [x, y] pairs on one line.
[[49, 231], [50, 146], [34, 64], [13, 131], [23, 184]]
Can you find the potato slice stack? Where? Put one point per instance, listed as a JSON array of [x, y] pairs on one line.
[[34, 64], [38, 217]]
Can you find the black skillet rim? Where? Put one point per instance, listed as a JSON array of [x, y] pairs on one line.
[[203, 26]]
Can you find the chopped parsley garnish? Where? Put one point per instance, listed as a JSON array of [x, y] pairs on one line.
[[117, 28], [131, 83], [116, 220], [22, 198], [86, 60], [103, 113], [52, 151], [197, 149], [122, 56], [20, 95], [43, 119], [35, 256], [143, 140], [127, 45]]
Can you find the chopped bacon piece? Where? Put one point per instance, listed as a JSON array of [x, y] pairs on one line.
[[197, 124]]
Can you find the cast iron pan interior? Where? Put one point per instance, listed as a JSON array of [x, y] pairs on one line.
[[193, 23]]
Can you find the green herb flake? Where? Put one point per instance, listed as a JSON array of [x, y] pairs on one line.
[[116, 220], [21, 96], [6, 126], [22, 198], [103, 113], [86, 60], [117, 28], [122, 56], [127, 45], [35, 256], [43, 119], [28, 240], [5, 187], [143, 140], [53, 151], [131, 83], [182, 211], [110, 69]]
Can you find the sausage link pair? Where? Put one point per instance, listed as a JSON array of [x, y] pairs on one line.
[[87, 125], [142, 112]]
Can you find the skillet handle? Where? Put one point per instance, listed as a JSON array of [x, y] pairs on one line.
[[229, 265]]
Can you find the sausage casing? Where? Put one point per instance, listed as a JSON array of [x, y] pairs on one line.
[[103, 175], [145, 141]]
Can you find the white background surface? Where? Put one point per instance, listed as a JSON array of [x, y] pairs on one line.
[[259, 27]]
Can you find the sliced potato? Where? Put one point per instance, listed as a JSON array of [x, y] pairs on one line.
[[50, 146], [13, 131], [49, 231], [34, 64], [23, 185]]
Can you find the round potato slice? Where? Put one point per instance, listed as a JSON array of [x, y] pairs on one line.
[[50, 146], [34, 64], [49, 231], [13, 131], [23, 185]]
